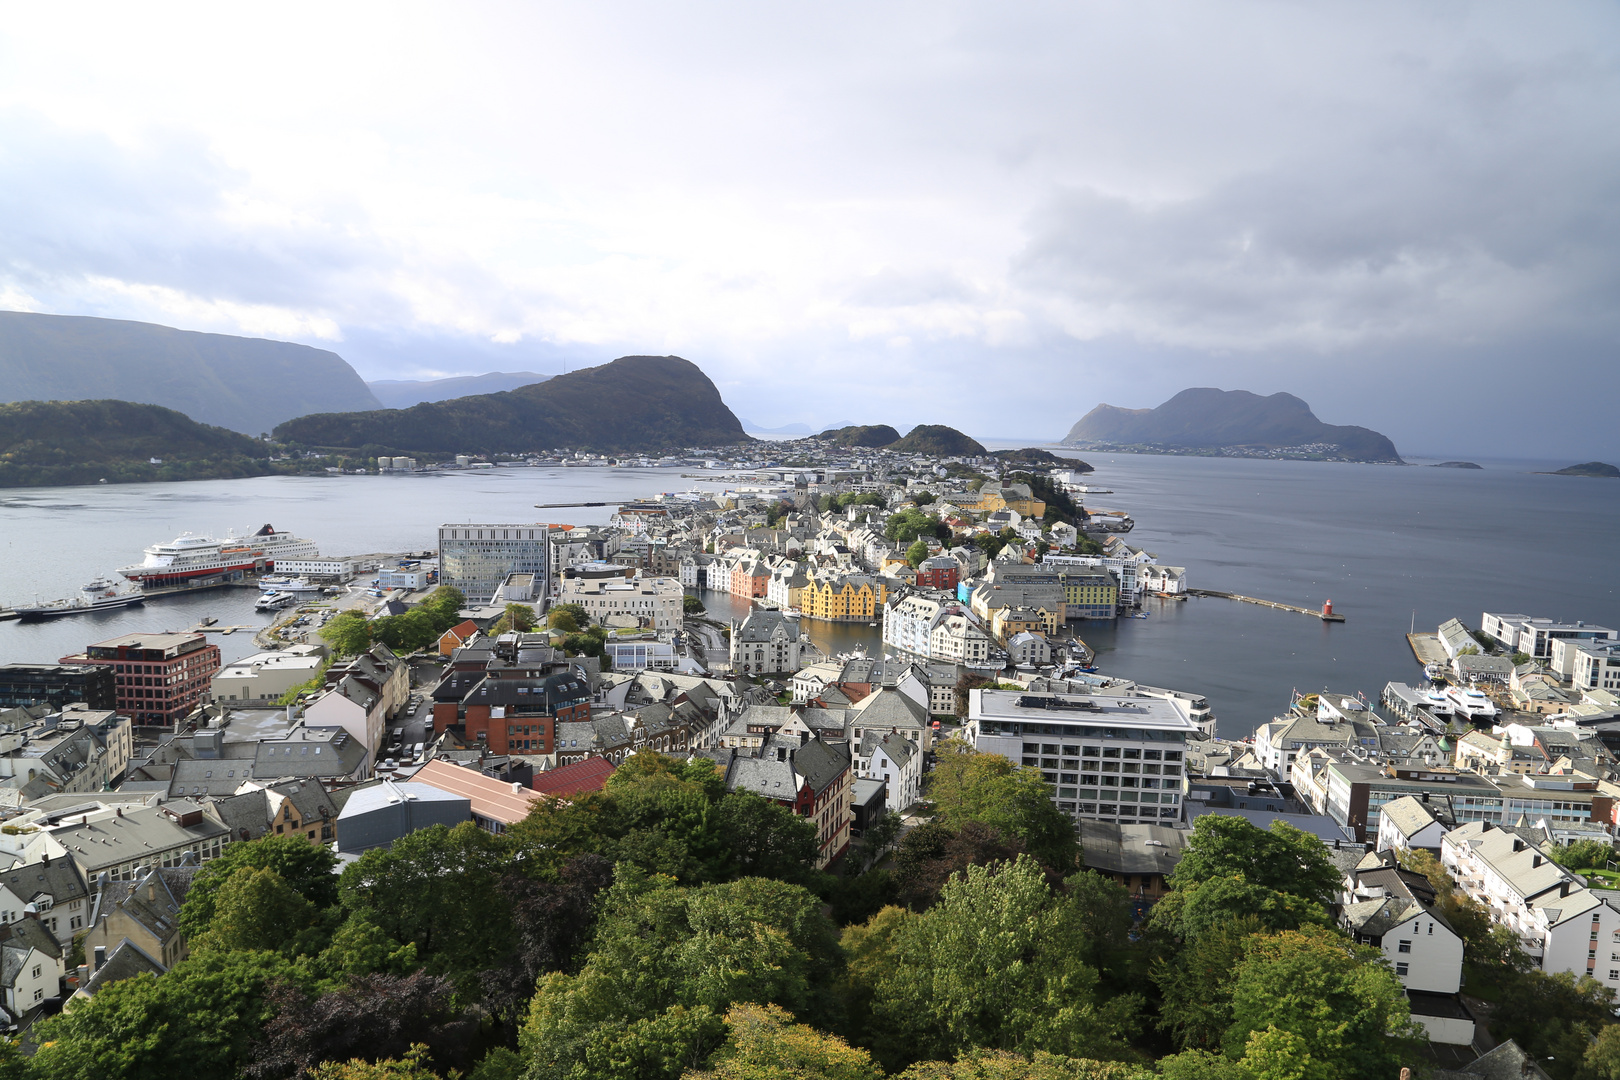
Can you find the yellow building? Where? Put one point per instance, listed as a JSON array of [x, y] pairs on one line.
[[844, 598], [992, 497], [1091, 595], [1008, 622]]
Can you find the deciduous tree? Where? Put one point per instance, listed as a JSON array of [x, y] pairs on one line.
[[305, 867]]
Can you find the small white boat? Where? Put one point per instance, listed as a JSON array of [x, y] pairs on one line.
[[271, 601]]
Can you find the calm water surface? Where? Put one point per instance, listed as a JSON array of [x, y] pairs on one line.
[[1387, 545]]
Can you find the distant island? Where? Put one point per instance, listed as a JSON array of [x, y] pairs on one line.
[[635, 403], [1039, 459], [45, 443], [871, 436], [1456, 465], [1229, 423], [403, 393], [936, 439], [1588, 468], [246, 384], [939, 441]]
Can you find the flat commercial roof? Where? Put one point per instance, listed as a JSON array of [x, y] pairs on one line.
[[1044, 707]]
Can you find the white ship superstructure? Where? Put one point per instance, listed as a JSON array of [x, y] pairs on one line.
[[192, 558]]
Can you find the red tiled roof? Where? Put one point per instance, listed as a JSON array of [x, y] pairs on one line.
[[490, 798], [591, 774]]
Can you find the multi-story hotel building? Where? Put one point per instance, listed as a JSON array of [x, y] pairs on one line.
[[1106, 758]]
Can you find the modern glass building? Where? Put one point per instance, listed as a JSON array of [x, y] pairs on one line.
[[477, 558]]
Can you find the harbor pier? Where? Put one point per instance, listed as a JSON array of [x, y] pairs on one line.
[[1326, 613]]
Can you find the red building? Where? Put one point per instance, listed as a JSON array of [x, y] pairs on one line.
[[510, 715], [158, 678], [939, 572]]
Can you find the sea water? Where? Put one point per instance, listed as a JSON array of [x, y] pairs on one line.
[[1391, 546]]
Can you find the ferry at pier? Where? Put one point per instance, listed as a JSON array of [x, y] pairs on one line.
[[189, 557], [98, 595]]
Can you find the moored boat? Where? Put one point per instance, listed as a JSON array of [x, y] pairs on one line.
[[98, 595]]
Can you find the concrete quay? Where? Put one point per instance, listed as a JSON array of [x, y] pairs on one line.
[[1326, 614]]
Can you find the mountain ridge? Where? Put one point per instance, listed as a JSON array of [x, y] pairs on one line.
[[403, 393], [1206, 418], [632, 403], [246, 384]]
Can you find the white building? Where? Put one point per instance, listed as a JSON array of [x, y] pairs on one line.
[[1408, 824], [1534, 636], [1561, 925], [959, 639], [1107, 758], [1029, 649], [1592, 666], [1388, 910], [476, 558], [264, 677], [609, 592], [908, 624], [896, 762]]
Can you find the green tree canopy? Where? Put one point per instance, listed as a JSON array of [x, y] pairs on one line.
[[999, 964], [438, 889], [666, 960], [304, 867], [916, 553], [674, 817], [967, 785], [691, 605], [765, 1044], [199, 1019], [907, 525], [255, 909], [1311, 998], [1283, 858], [349, 633]]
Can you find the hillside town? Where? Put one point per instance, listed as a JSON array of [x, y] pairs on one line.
[[520, 666]]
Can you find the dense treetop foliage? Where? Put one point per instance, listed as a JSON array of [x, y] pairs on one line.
[[665, 929]]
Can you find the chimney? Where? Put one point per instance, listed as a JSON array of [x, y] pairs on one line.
[[517, 789], [1535, 861], [120, 811], [100, 958], [1563, 888], [1518, 845]]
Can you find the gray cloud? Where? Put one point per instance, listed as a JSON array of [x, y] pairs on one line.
[[1104, 202]]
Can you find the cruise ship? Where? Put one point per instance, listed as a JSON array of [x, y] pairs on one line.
[[192, 558]]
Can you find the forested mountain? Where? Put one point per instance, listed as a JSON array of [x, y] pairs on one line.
[[640, 403], [245, 384], [1208, 419], [84, 442]]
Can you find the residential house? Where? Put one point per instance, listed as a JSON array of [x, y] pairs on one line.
[[55, 890], [897, 762], [31, 968], [145, 912], [766, 642], [1561, 924], [1413, 823]]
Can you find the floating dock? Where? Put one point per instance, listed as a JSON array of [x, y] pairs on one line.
[[564, 506], [1326, 614]]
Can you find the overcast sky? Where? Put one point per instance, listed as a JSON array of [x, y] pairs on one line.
[[994, 216]]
